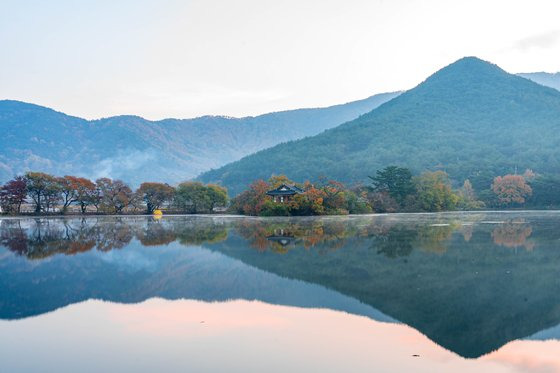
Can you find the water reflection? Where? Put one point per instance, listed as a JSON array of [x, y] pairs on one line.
[[513, 234], [240, 336], [470, 282], [392, 237]]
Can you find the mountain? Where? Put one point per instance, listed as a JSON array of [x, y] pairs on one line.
[[135, 149], [470, 119], [551, 80]]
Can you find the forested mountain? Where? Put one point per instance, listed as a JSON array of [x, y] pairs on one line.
[[470, 119], [547, 79], [135, 149]]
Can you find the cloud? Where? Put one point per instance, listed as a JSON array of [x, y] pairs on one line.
[[544, 41]]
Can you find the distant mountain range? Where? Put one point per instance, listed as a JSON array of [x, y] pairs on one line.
[[135, 149], [470, 119], [547, 79]]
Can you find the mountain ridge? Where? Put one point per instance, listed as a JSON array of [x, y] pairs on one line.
[[136, 149], [543, 78], [443, 123]]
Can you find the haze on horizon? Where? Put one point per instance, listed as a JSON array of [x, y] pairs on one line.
[[183, 59]]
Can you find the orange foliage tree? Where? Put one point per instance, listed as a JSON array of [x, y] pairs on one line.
[[251, 201], [511, 189]]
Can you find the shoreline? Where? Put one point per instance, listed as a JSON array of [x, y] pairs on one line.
[[237, 216]]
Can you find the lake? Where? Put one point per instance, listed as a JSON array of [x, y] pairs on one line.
[[400, 292]]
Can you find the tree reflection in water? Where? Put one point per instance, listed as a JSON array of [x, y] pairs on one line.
[[451, 276], [42, 237], [513, 234]]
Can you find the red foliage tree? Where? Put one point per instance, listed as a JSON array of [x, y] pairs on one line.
[[511, 189], [13, 194], [251, 201]]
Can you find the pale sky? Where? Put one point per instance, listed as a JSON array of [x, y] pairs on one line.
[[170, 58]]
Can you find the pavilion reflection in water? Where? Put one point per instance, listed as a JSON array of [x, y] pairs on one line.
[[282, 237]]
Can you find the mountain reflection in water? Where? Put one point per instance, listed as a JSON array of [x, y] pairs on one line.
[[471, 282], [240, 336]]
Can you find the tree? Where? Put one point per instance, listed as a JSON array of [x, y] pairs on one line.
[[218, 196], [42, 190], [334, 197], [86, 193], [546, 191], [396, 181], [251, 201], [434, 193], [308, 203], [68, 189], [468, 199], [511, 189], [271, 208], [277, 180], [155, 195], [114, 195], [13, 194], [357, 202], [52, 195], [382, 202], [192, 197]]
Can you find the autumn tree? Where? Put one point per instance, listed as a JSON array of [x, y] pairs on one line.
[[13, 194], [76, 189], [251, 201], [310, 202], [86, 192], [67, 186], [334, 200], [511, 189], [52, 195], [155, 195], [42, 188], [115, 195]]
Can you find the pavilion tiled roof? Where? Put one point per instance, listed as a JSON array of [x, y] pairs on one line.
[[285, 190]]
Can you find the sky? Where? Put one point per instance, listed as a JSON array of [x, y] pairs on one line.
[[182, 59]]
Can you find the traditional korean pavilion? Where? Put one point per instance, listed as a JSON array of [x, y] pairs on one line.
[[284, 192]]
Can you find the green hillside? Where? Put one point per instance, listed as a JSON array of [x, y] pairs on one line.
[[470, 119], [135, 149]]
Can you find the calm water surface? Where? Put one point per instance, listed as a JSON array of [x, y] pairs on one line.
[[411, 292]]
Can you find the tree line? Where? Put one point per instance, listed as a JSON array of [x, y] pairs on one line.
[[50, 194], [392, 189]]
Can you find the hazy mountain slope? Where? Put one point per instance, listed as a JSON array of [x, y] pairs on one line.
[[136, 149], [470, 118], [551, 80]]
